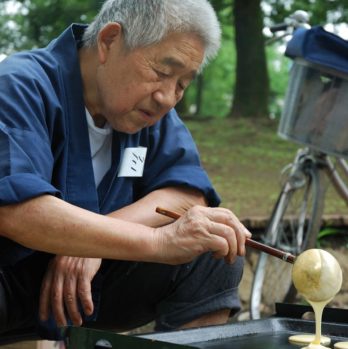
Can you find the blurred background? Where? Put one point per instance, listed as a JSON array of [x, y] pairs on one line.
[[247, 79], [232, 109]]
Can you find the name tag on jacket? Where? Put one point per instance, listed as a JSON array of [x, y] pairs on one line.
[[132, 163]]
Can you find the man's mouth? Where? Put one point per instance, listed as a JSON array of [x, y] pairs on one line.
[[147, 114]]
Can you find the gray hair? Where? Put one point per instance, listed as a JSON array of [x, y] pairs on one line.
[[146, 22]]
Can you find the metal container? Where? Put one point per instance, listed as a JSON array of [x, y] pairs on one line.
[[315, 111], [256, 334]]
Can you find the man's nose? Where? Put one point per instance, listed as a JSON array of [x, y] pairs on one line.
[[166, 96]]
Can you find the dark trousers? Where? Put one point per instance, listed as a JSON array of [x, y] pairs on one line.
[[129, 294]]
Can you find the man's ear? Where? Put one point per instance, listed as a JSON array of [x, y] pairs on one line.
[[108, 35]]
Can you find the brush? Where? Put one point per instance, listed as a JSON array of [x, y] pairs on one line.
[[285, 256]]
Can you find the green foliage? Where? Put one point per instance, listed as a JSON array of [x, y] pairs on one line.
[[328, 233], [219, 78], [5, 30], [278, 69], [39, 21], [224, 10], [321, 11]]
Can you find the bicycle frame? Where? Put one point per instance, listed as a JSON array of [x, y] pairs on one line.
[[321, 160], [297, 215], [324, 161], [336, 178]]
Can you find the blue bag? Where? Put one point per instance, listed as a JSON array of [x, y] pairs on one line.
[[318, 46]]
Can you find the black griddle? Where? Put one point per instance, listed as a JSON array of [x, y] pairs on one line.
[[267, 333]]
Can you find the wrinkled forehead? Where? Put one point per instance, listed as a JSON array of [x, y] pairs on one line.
[[180, 51]]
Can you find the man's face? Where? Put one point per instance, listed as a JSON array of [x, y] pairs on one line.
[[137, 88]]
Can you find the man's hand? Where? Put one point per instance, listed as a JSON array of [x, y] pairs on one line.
[[67, 284], [200, 230]]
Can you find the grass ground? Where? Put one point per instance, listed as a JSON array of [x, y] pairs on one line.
[[243, 158]]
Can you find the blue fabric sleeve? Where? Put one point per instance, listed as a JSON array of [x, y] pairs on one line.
[[173, 159], [25, 151]]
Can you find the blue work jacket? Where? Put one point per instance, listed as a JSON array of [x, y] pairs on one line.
[[44, 142]]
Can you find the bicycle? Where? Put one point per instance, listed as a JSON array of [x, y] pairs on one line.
[[313, 113]]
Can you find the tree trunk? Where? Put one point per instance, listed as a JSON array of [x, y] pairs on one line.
[[199, 94], [251, 91], [182, 107]]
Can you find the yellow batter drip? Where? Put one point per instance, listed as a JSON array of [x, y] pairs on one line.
[[318, 277], [303, 339], [318, 308]]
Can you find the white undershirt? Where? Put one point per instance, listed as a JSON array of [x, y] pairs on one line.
[[100, 140]]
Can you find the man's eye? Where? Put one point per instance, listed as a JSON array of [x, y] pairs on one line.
[[182, 86], [162, 74]]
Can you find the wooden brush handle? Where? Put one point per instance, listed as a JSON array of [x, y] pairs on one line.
[[285, 256]]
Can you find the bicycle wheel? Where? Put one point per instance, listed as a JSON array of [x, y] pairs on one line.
[[293, 227]]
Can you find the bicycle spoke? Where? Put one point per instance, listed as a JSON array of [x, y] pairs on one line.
[[294, 222]]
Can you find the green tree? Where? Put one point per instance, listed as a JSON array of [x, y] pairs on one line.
[[38, 21], [5, 31], [321, 11], [211, 93], [251, 92]]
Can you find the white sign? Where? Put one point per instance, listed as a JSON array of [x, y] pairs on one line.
[[132, 163]]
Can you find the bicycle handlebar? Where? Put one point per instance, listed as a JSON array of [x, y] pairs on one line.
[[279, 27], [299, 19]]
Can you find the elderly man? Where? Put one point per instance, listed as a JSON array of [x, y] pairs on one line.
[[90, 145]]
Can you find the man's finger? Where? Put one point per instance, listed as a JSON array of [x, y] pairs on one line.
[[85, 295], [229, 235], [57, 302], [225, 216], [45, 294], [71, 301], [219, 246]]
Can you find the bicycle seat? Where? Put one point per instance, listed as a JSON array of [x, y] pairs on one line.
[[318, 46]]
